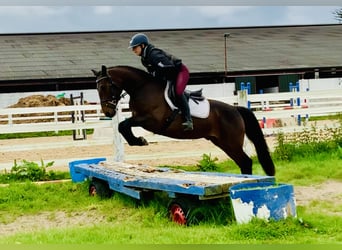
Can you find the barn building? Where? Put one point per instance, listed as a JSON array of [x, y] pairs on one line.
[[266, 57]]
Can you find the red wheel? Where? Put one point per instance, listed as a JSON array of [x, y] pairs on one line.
[[92, 190], [100, 188], [180, 209], [177, 214]]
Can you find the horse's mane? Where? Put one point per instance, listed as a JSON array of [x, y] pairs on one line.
[[141, 76], [138, 71]]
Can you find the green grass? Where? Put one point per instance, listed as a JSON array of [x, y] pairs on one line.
[[31, 171], [326, 117], [124, 220], [40, 134], [300, 171], [143, 226]]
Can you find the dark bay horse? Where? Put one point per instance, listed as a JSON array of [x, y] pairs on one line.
[[225, 126]]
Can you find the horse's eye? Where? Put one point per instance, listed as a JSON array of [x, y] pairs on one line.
[[100, 87]]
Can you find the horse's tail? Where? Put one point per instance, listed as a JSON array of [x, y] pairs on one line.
[[255, 134]]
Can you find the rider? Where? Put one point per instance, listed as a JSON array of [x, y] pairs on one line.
[[167, 67]]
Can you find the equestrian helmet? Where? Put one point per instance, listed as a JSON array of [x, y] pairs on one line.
[[138, 39]]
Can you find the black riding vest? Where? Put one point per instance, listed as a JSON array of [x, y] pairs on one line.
[[160, 63]]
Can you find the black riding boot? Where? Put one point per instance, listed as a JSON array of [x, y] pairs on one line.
[[184, 106]]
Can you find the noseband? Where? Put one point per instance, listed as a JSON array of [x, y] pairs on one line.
[[113, 101]]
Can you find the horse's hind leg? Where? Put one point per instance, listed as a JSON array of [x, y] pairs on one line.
[[236, 153], [242, 160]]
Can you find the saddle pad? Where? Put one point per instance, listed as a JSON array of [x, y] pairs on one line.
[[199, 109]]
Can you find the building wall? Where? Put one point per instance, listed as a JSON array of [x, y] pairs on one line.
[[320, 84]]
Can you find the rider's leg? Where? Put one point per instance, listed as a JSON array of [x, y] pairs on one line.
[[180, 84], [184, 106]]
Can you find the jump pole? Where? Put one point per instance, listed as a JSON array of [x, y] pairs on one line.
[[118, 144]]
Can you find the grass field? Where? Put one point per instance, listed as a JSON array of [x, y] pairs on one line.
[[64, 213], [121, 219]]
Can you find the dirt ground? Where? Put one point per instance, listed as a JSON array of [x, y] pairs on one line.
[[156, 153]]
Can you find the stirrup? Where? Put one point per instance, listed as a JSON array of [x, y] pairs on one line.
[[188, 125]]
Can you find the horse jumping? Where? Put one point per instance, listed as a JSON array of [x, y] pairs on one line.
[[225, 125]]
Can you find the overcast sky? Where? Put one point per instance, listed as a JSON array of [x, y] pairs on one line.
[[27, 19]]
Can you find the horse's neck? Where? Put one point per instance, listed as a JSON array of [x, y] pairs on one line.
[[133, 86], [134, 83]]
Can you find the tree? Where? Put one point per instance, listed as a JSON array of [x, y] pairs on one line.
[[338, 15]]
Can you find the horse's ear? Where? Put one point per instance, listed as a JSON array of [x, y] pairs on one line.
[[104, 70], [96, 73]]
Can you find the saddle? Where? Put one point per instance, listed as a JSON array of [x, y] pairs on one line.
[[195, 95], [198, 104]]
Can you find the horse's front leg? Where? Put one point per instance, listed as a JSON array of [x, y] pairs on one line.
[[125, 128]]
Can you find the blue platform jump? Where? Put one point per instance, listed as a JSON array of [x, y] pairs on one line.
[[186, 189], [133, 179]]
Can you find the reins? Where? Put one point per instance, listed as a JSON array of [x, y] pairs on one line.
[[114, 100]]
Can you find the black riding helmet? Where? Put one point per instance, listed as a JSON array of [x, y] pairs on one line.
[[137, 40]]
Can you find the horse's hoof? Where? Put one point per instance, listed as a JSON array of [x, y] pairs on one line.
[[143, 141]]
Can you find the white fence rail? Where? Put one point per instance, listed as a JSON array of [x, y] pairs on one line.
[[315, 103], [288, 105], [291, 105], [56, 118]]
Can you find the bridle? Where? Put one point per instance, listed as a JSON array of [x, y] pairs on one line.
[[113, 101]]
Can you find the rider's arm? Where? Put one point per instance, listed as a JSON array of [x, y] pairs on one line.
[[163, 64]]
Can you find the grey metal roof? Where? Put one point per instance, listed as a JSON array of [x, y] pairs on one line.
[[72, 55]]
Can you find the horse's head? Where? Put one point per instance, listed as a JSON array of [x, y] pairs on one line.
[[109, 92]]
